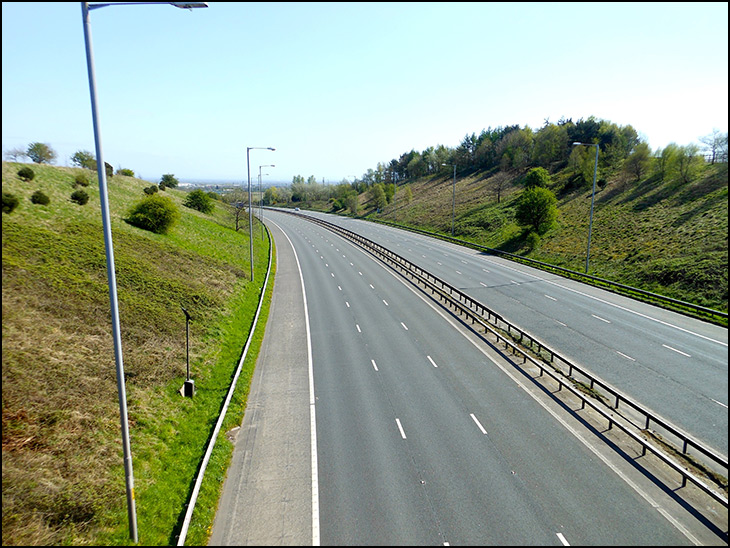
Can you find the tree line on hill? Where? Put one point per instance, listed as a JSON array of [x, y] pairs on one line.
[[513, 151]]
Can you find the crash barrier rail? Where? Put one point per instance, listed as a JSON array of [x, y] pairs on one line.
[[616, 287], [515, 339], [219, 423]]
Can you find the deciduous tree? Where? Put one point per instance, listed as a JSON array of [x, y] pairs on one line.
[[715, 146], [84, 159], [537, 209], [41, 153], [537, 177], [638, 163], [169, 181]]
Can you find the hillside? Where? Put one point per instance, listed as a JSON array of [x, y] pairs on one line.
[[63, 478], [665, 237]]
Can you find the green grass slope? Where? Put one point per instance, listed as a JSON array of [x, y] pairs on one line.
[[665, 237], [62, 477]]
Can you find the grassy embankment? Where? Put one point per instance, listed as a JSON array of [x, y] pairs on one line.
[[665, 237], [63, 477]]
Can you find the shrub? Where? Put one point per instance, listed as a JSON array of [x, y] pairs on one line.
[[26, 173], [151, 190], [39, 197], [10, 202], [154, 213], [80, 197], [126, 172], [197, 199], [81, 180], [532, 241]]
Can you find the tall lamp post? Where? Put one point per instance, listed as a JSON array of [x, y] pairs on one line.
[[250, 213], [110, 271], [261, 198], [593, 197], [453, 199]]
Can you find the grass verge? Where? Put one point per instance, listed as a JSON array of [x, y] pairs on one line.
[[63, 478]]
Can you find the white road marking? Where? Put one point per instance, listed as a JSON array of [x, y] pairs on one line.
[[402, 433], [677, 351], [478, 423], [312, 412], [599, 318], [432, 362], [374, 366]]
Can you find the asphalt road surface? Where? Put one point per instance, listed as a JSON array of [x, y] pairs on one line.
[[375, 418], [674, 365]]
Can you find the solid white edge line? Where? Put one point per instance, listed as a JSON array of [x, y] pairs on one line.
[[312, 415], [646, 316], [650, 500]]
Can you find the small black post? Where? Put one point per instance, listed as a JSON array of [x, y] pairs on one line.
[[189, 386]]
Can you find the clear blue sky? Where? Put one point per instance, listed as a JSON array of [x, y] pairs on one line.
[[338, 87]]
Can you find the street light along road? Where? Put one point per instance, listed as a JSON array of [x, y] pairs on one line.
[[110, 271], [250, 213]]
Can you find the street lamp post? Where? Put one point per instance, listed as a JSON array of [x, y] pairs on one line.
[[453, 199], [593, 197], [250, 213], [261, 198], [108, 245]]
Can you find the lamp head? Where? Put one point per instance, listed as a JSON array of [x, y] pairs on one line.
[[189, 5]]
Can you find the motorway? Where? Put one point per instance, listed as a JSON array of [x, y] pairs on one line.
[[675, 365], [422, 435]]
